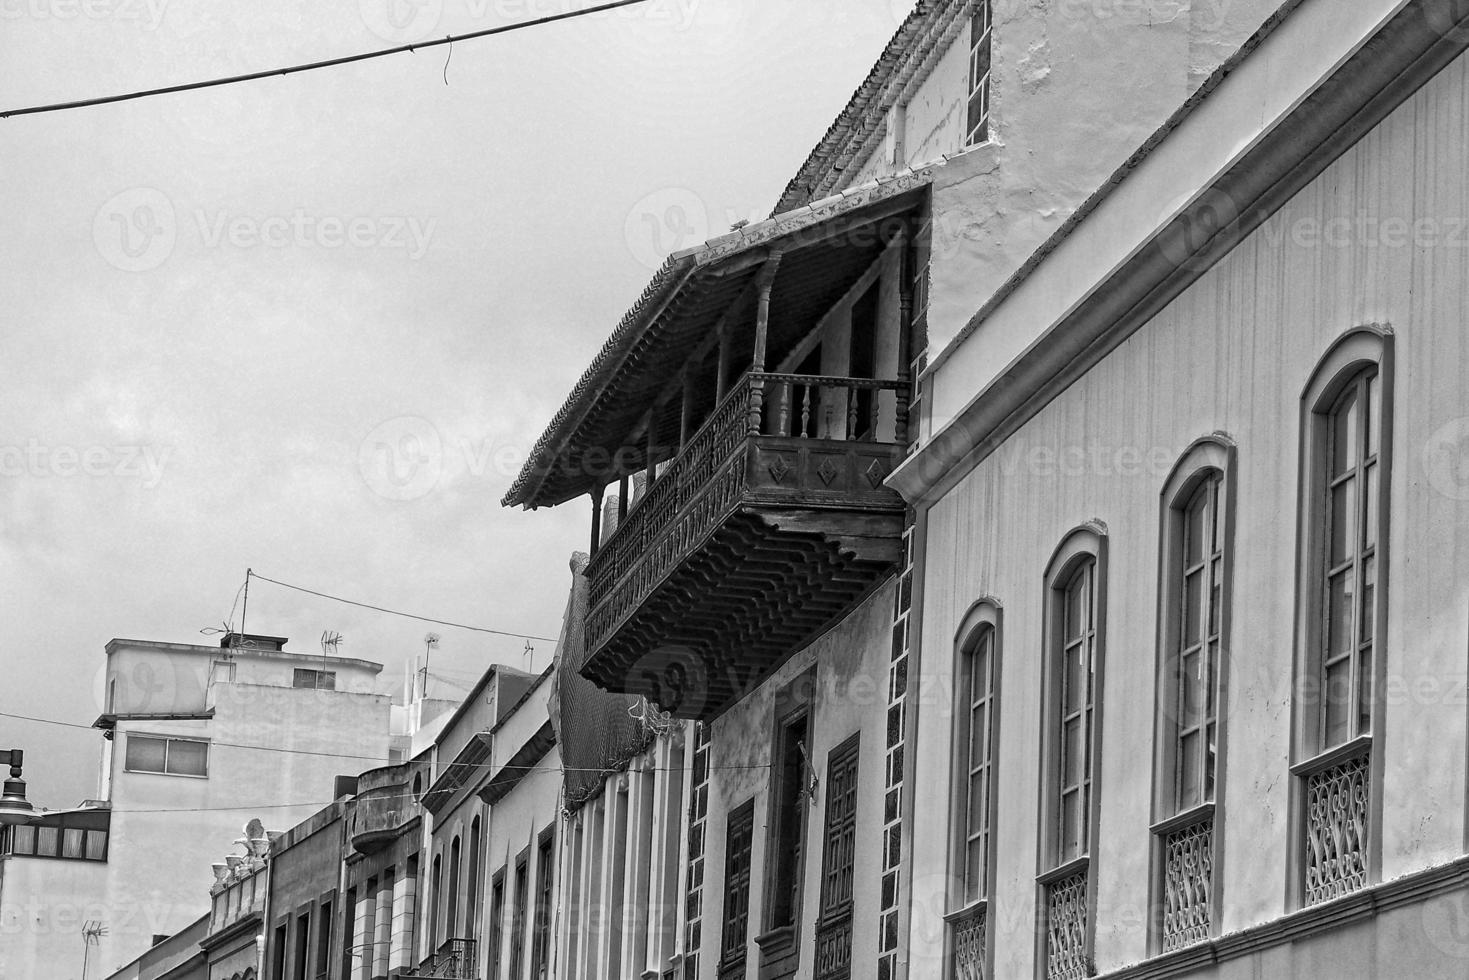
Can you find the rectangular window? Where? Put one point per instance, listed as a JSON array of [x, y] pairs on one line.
[[540, 949], [497, 919], [838, 859], [278, 955], [320, 680], [788, 821], [739, 838], [517, 922], [981, 35], [302, 954], [165, 755], [324, 939]]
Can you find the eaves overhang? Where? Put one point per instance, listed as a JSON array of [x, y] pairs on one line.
[[682, 306], [466, 768], [520, 765], [1239, 177]]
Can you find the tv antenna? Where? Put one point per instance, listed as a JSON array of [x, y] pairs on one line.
[[530, 655], [430, 640], [330, 640], [92, 933]]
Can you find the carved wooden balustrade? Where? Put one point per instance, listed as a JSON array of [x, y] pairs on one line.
[[775, 442]]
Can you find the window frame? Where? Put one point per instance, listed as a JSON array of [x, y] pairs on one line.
[[545, 897], [793, 707], [167, 740], [979, 83], [734, 957], [1083, 546], [1367, 348], [982, 623], [1208, 458]]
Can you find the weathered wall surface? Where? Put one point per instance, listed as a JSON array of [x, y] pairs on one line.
[[274, 753], [1381, 237], [43, 904], [851, 682]]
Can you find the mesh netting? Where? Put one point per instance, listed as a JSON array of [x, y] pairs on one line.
[[596, 730]]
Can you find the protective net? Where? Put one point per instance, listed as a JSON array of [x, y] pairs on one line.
[[597, 731]]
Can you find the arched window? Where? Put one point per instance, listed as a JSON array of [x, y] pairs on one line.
[[451, 893], [472, 924], [1075, 605], [1346, 437], [976, 723], [435, 897], [1197, 550]]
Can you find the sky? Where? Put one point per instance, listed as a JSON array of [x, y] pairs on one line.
[[311, 325]]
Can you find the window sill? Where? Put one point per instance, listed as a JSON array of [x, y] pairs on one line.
[[1184, 818], [1074, 866], [777, 940], [967, 912], [1357, 747]]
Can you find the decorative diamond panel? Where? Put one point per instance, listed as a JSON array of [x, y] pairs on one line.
[[827, 471], [779, 468]]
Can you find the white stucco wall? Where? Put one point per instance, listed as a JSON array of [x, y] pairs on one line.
[[1233, 354]]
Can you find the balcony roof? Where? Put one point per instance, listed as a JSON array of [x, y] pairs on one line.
[[825, 246]]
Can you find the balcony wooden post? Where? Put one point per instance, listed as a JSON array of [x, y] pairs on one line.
[[766, 282], [686, 415], [721, 372], [596, 520]]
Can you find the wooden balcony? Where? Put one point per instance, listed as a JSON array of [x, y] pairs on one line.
[[770, 523]]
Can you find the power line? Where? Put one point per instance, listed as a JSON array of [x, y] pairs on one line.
[[394, 612], [379, 759], [312, 66]]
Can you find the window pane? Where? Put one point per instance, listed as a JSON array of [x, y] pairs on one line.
[[1211, 746], [978, 735], [1369, 508], [187, 758], [96, 845], [1374, 414], [1337, 701], [1369, 595], [46, 841], [1344, 434], [1071, 830], [1072, 761], [1190, 686], [1339, 613], [23, 840], [1075, 608], [1193, 587], [144, 754], [1216, 595], [1188, 770], [73, 841], [974, 870], [1193, 526], [978, 801], [1343, 521], [1075, 694], [1364, 693]]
